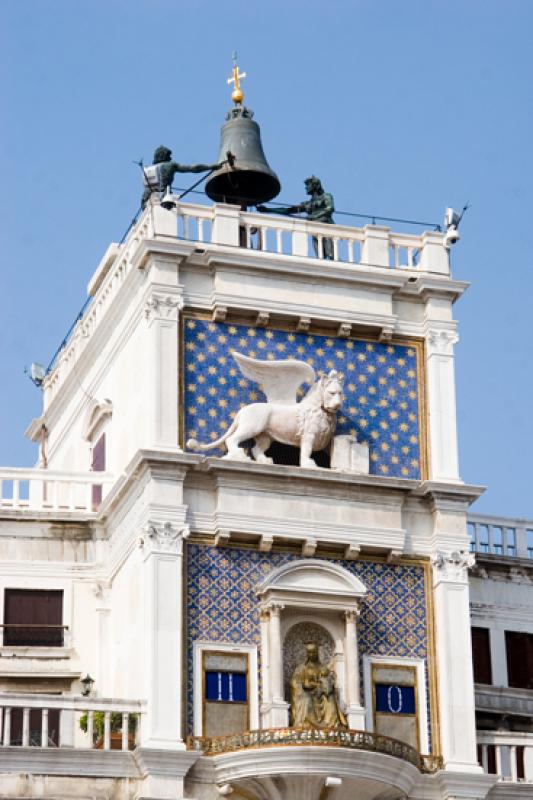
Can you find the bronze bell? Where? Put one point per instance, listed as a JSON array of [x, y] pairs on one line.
[[246, 180]]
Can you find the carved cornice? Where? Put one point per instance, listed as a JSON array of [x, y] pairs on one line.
[[453, 566], [161, 306], [165, 538]]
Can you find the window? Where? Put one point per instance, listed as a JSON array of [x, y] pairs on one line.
[[395, 712], [481, 655], [519, 650], [225, 687], [33, 618], [225, 693], [98, 465]]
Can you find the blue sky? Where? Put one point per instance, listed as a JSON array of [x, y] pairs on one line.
[[402, 108]]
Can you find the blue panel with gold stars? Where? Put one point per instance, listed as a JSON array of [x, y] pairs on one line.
[[381, 386]]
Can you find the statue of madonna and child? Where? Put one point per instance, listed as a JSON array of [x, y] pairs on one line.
[[314, 701]]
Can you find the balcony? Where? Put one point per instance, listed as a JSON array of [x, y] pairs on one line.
[[507, 755], [500, 537], [78, 722], [43, 490], [365, 765]]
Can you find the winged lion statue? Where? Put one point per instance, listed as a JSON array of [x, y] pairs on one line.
[[309, 424]]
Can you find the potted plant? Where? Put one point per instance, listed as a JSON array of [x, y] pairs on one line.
[[115, 729]]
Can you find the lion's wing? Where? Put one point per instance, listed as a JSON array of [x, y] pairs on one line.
[[279, 379]]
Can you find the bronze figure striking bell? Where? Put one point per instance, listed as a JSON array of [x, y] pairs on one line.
[[250, 180]]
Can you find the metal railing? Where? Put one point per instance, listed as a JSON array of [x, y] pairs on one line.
[[500, 536], [508, 755], [38, 720], [51, 490], [330, 737], [21, 634]]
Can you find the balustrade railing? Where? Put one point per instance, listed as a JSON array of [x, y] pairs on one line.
[[501, 536], [275, 737], [61, 721], [51, 490], [370, 247], [508, 755]]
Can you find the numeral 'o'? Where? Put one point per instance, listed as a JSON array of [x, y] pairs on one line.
[[389, 699]]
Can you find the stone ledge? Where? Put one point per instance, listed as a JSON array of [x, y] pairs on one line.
[[66, 761]]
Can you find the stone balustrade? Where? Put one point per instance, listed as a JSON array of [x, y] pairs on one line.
[[508, 755], [371, 247], [51, 490], [501, 536], [40, 720]]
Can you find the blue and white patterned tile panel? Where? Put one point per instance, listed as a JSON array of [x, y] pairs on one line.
[[222, 605], [382, 391]]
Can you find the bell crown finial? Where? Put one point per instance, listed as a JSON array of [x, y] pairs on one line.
[[237, 94]]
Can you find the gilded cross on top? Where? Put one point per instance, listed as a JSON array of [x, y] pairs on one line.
[[237, 95]]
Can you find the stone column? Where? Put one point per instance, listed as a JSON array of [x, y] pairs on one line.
[[355, 713], [454, 657], [162, 548], [265, 658], [162, 313], [276, 654], [444, 462], [275, 711]]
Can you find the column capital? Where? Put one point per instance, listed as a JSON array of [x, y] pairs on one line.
[[162, 306], [453, 566], [274, 609], [163, 538], [440, 341], [351, 614]]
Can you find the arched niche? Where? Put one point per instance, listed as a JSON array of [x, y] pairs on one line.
[[294, 648], [303, 593], [97, 413]]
